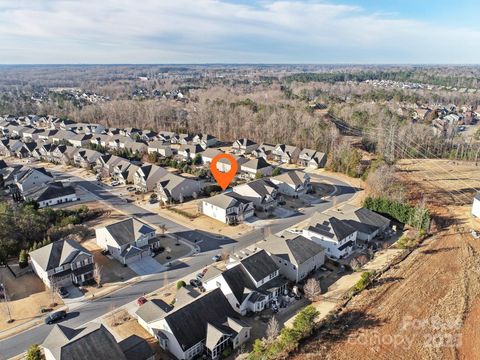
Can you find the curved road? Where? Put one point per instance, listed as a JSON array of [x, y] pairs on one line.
[[210, 244]]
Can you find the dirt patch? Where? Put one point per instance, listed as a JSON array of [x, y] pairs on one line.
[[427, 306], [27, 295]]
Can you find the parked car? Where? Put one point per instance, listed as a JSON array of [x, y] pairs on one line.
[[115, 183], [141, 300], [56, 316], [63, 292], [130, 188], [195, 283], [217, 258]]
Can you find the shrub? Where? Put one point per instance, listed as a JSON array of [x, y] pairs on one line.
[[181, 284], [34, 353], [365, 279], [23, 259]]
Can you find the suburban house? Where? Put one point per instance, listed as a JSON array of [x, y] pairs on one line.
[[336, 236], [476, 206], [292, 183], [206, 325], [86, 158], [62, 135], [227, 208], [295, 255], [166, 136], [209, 154], [62, 263], [188, 152], [49, 194], [262, 193], [26, 150], [244, 146], [32, 177], [125, 172], [250, 283], [368, 223], [136, 147], [205, 140], [128, 240], [251, 168], [64, 154], [286, 154], [176, 188], [80, 140], [160, 148], [264, 151], [224, 165], [93, 341], [312, 159], [147, 177]]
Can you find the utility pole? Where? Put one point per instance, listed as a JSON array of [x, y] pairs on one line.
[[5, 297]]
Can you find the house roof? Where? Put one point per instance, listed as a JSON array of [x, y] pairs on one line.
[[48, 191], [256, 164], [477, 196], [244, 142], [295, 178], [153, 310], [214, 334], [330, 226], [211, 153], [254, 189], [362, 219], [3, 164], [259, 265], [189, 322], [128, 231], [93, 341], [57, 253], [226, 200], [239, 282], [136, 348], [295, 249]]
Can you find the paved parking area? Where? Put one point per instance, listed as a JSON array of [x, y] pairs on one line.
[[281, 212], [74, 294], [146, 266]]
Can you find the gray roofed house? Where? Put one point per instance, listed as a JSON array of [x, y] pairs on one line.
[[49, 194], [128, 240], [30, 178], [153, 310], [92, 341], [249, 282], [187, 151], [312, 158], [136, 348], [262, 192], [147, 176], [264, 151], [336, 236], [205, 324], [256, 166], [292, 183], [286, 153], [228, 208], [244, 146], [209, 154], [171, 187], [64, 262], [368, 223], [295, 255]]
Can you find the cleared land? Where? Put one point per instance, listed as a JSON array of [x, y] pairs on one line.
[[428, 306]]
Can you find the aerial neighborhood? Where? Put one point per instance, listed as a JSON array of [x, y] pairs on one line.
[[262, 248]]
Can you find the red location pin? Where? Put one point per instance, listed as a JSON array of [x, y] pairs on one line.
[[224, 179]]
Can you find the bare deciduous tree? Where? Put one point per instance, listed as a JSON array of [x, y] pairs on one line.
[[312, 289], [98, 274], [272, 331]]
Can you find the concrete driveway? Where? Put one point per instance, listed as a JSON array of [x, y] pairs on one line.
[[146, 266]]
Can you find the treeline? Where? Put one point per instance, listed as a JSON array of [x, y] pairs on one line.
[[416, 216], [25, 226]]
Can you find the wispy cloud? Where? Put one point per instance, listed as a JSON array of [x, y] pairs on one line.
[[189, 31]]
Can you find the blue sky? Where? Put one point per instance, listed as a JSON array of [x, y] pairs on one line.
[[239, 31]]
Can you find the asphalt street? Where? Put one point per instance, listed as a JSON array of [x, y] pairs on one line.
[[210, 244]]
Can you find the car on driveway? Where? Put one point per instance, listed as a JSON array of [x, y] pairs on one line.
[[195, 283], [63, 292], [217, 257], [56, 316], [141, 300]]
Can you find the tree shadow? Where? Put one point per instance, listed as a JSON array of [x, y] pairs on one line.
[[437, 251]]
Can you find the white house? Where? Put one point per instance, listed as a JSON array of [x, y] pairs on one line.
[[336, 236], [292, 183], [205, 325], [253, 167], [295, 255], [127, 240], [31, 178], [262, 193], [244, 146], [62, 262], [228, 208], [50, 194], [250, 283], [476, 206]]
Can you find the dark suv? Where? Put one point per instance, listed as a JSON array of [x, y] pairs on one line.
[[54, 317]]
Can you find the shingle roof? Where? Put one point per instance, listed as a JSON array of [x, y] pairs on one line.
[[136, 348], [93, 341], [128, 231], [330, 226], [57, 253], [226, 200], [189, 322], [295, 249], [48, 191], [259, 265], [153, 310], [256, 164], [295, 178]]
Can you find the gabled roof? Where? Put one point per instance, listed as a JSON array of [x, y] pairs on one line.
[[256, 164], [330, 226], [295, 249], [259, 265], [136, 348], [211, 153], [226, 200], [153, 310], [128, 231], [57, 253], [48, 191], [244, 142], [295, 178], [93, 341], [22, 176], [239, 282], [189, 322]]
